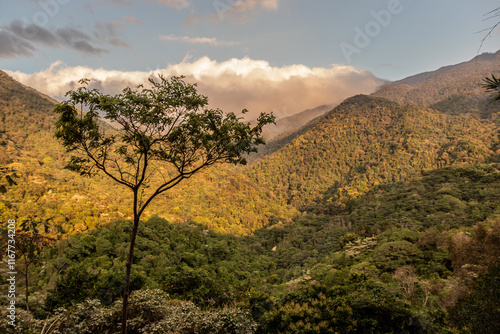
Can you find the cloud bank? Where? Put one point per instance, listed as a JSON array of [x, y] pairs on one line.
[[231, 85]]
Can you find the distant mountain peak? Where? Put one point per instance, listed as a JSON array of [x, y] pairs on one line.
[[429, 88], [421, 77]]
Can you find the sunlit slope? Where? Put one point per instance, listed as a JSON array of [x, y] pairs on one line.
[[367, 141], [220, 198]]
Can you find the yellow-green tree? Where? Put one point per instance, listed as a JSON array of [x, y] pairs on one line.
[[163, 132]]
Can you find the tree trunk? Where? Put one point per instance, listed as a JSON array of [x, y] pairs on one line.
[[27, 296], [126, 290]]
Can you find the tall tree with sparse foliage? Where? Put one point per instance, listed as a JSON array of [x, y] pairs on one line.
[[163, 131]]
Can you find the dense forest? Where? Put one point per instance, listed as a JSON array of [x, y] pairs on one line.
[[366, 141], [380, 216], [222, 198]]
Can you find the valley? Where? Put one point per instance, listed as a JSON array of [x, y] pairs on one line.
[[378, 215]]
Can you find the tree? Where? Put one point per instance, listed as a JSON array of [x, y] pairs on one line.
[[493, 85], [493, 14], [163, 135], [29, 243]]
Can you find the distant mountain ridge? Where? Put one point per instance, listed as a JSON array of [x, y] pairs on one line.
[[453, 89], [368, 140], [426, 121], [287, 125], [450, 83], [414, 80]]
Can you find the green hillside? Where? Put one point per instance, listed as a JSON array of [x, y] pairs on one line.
[[447, 197], [398, 232], [366, 141], [221, 198], [408, 269]]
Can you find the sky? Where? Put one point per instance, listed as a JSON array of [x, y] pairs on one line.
[[279, 55]]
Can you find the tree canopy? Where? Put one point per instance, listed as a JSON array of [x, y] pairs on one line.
[[164, 129]]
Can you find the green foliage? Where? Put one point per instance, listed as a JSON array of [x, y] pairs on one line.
[[192, 263], [214, 270], [75, 287], [369, 141], [479, 312], [359, 306], [197, 285], [348, 294], [451, 197], [394, 254]]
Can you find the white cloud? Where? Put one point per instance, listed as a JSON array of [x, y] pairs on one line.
[[197, 40], [231, 85]]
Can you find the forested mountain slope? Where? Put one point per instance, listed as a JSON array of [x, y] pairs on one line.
[[400, 229], [220, 198], [400, 257], [449, 197], [366, 141], [287, 125]]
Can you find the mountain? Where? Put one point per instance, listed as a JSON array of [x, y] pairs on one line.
[[451, 196], [430, 120], [399, 231], [452, 89], [366, 141], [290, 124], [221, 197], [436, 119], [284, 138]]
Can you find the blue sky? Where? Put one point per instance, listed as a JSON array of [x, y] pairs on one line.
[[332, 40]]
